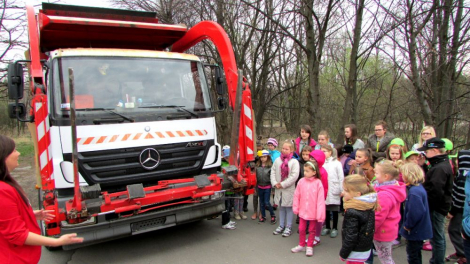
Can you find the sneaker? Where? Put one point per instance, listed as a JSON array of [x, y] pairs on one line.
[[309, 252], [273, 220], [229, 226], [274, 207], [334, 233], [452, 257], [237, 216], [396, 243], [232, 223], [374, 252], [287, 232], [427, 246], [278, 230], [316, 242], [243, 216], [297, 249], [262, 220], [325, 231], [462, 260]]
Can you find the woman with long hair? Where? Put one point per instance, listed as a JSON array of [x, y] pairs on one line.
[[20, 236], [350, 137]]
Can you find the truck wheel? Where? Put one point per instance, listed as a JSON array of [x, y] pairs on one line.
[[42, 225]]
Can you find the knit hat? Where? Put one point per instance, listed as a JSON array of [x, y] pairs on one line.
[[272, 141], [431, 143], [411, 152], [397, 141], [464, 159], [448, 144]]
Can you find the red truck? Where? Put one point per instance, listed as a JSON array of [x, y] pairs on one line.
[[124, 121]]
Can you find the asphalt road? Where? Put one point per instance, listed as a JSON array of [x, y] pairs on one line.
[[207, 242]]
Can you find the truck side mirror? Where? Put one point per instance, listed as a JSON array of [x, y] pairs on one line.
[[15, 81], [221, 103], [16, 110], [220, 81]]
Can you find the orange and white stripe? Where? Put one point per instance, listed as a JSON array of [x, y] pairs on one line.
[[140, 136]]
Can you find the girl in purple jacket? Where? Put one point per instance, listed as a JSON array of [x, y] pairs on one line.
[[309, 204], [390, 194]]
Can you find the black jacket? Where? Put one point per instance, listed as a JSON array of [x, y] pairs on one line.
[[438, 184], [357, 231], [263, 176]]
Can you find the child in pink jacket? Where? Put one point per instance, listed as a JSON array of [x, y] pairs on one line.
[[309, 204], [390, 194]]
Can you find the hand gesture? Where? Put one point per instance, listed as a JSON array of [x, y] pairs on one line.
[[45, 215], [69, 239]]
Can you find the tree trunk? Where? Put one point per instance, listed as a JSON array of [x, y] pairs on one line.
[[350, 103]]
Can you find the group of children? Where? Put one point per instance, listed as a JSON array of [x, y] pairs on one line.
[[382, 200]]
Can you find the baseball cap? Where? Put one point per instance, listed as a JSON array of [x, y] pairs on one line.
[[263, 153], [272, 141], [411, 152], [347, 149], [397, 141], [432, 143]]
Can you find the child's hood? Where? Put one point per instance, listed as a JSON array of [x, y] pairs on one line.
[[319, 156], [397, 191], [368, 198]]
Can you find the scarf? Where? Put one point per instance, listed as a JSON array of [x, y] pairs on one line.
[[362, 203], [392, 182], [285, 165]]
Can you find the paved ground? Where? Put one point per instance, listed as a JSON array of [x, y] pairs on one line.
[[207, 242], [200, 242]]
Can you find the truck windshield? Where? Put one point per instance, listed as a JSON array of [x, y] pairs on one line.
[[133, 86]]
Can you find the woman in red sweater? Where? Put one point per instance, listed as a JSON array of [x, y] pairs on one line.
[[20, 236]]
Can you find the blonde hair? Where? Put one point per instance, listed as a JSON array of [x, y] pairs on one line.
[[333, 152], [412, 174], [358, 183], [324, 133], [389, 168], [433, 134], [291, 145]]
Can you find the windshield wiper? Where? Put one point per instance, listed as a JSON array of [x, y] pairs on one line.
[[108, 110], [179, 107]]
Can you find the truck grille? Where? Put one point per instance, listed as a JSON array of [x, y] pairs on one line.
[[123, 167]]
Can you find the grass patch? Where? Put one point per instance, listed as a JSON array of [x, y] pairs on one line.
[[25, 146]]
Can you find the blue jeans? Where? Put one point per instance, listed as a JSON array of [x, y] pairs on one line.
[[264, 196], [413, 251], [438, 240], [466, 248]]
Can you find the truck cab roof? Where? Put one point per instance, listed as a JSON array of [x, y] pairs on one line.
[[96, 52]]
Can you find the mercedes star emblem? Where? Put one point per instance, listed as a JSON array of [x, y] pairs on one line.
[[149, 158]]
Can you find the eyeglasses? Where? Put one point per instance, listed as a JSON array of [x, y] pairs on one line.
[[377, 130], [425, 133]]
